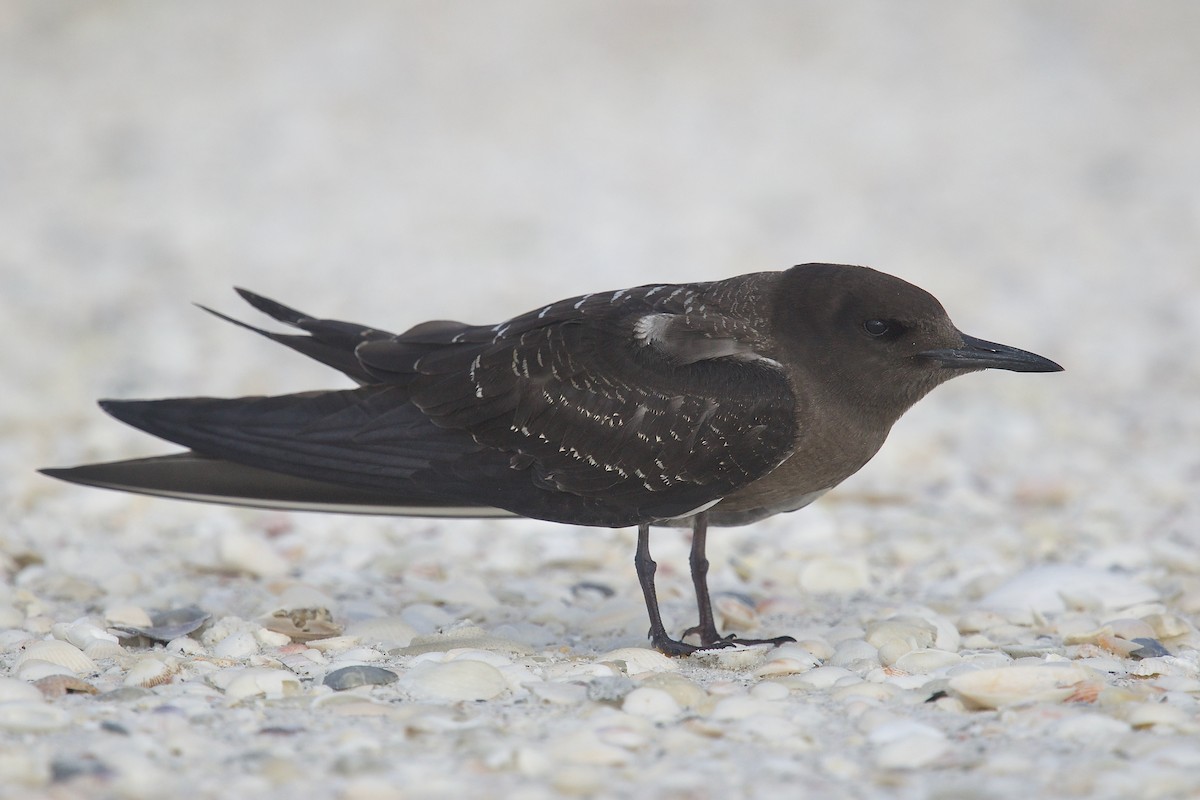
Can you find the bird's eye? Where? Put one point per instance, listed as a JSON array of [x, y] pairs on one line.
[[877, 327]]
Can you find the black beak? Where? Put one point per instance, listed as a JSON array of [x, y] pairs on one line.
[[978, 354]]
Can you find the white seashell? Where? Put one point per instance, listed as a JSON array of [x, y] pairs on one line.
[[923, 662], [387, 632], [817, 648], [236, 645], [1051, 588], [914, 631], [559, 694], [128, 616], [637, 660], [735, 658], [785, 666], [655, 705], [1167, 626], [1146, 715], [855, 653], [458, 680], [239, 683], [270, 638], [904, 744], [333, 644], [1021, 683], [57, 652], [1130, 629], [875, 692], [185, 646], [893, 650], [11, 617], [12, 690], [98, 651], [743, 707], [769, 690], [150, 671], [241, 552], [835, 575], [23, 716], [826, 677], [686, 693], [364, 654], [85, 634], [35, 669], [584, 746], [59, 685]]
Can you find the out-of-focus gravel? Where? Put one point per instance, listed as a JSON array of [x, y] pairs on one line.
[[1002, 604]]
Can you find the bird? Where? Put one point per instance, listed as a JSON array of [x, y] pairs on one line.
[[715, 403]]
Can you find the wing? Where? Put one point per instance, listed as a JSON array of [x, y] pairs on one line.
[[608, 409]]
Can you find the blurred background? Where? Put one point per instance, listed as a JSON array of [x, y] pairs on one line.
[[1033, 164]]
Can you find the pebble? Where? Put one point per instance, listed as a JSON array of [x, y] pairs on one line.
[[358, 675]]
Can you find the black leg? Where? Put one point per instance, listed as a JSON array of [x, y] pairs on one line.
[[710, 637], [646, 567], [707, 629]]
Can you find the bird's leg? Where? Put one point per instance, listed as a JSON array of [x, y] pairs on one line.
[[699, 564], [710, 637], [646, 567]]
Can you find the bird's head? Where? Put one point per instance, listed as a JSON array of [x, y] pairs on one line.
[[877, 341]]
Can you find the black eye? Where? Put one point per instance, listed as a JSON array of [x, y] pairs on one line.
[[877, 327]]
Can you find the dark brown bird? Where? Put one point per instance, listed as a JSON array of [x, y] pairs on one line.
[[714, 403]]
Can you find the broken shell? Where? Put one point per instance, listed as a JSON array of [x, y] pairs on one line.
[[387, 632], [58, 685], [57, 652], [302, 624], [1005, 686], [242, 682], [636, 660], [166, 625], [151, 671], [1167, 626], [129, 616], [85, 634], [358, 675]]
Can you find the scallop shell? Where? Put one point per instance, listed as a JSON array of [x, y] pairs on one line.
[[150, 671], [62, 653], [34, 668], [85, 634], [1006, 686], [101, 650], [58, 685]]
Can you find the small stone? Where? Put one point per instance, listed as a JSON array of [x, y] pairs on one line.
[[358, 675]]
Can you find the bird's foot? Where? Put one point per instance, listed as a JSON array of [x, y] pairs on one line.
[[672, 647], [710, 639]]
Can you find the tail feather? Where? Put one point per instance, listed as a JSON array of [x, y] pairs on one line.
[[190, 476]]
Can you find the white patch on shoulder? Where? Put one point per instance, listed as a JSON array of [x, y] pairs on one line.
[[651, 328]]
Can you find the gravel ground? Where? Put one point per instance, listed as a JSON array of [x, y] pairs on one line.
[[1002, 604]]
